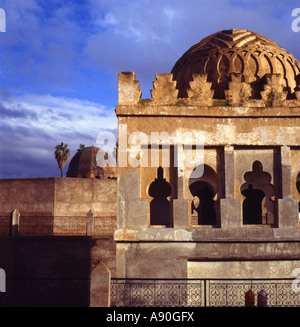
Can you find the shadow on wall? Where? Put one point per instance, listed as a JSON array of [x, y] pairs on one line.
[[160, 190], [47, 271]]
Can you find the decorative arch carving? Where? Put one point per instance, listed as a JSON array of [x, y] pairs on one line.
[[258, 205], [204, 190]]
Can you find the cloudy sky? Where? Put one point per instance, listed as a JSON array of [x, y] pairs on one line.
[[59, 63]]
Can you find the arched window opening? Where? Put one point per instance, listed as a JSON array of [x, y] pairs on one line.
[[204, 204], [259, 204], [160, 190], [252, 205], [204, 189]]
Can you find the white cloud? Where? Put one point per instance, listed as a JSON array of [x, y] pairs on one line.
[[57, 114], [31, 125]]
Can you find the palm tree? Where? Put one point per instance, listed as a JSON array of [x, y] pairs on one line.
[[62, 154], [81, 147]]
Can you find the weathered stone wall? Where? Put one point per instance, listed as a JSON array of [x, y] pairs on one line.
[[248, 269], [237, 132], [80, 195], [59, 206], [172, 259], [34, 195]]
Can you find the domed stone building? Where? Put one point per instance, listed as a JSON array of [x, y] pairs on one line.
[[91, 162], [223, 131], [207, 192]]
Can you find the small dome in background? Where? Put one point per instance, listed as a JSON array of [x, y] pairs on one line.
[[85, 164], [238, 52]]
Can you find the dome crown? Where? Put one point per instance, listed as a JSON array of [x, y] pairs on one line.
[[235, 51]]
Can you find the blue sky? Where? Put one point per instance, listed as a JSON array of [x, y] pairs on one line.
[[59, 63]]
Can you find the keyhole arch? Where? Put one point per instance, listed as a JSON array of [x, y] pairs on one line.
[[204, 189], [159, 190], [259, 205]]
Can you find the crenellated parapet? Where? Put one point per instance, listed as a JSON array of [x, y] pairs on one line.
[[270, 93], [128, 90], [200, 92], [164, 91], [239, 92], [274, 94]]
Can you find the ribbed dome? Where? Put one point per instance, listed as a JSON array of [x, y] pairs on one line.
[[235, 51], [85, 164]]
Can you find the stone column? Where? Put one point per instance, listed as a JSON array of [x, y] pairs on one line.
[[180, 205], [287, 206], [231, 208], [132, 211], [181, 208]]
